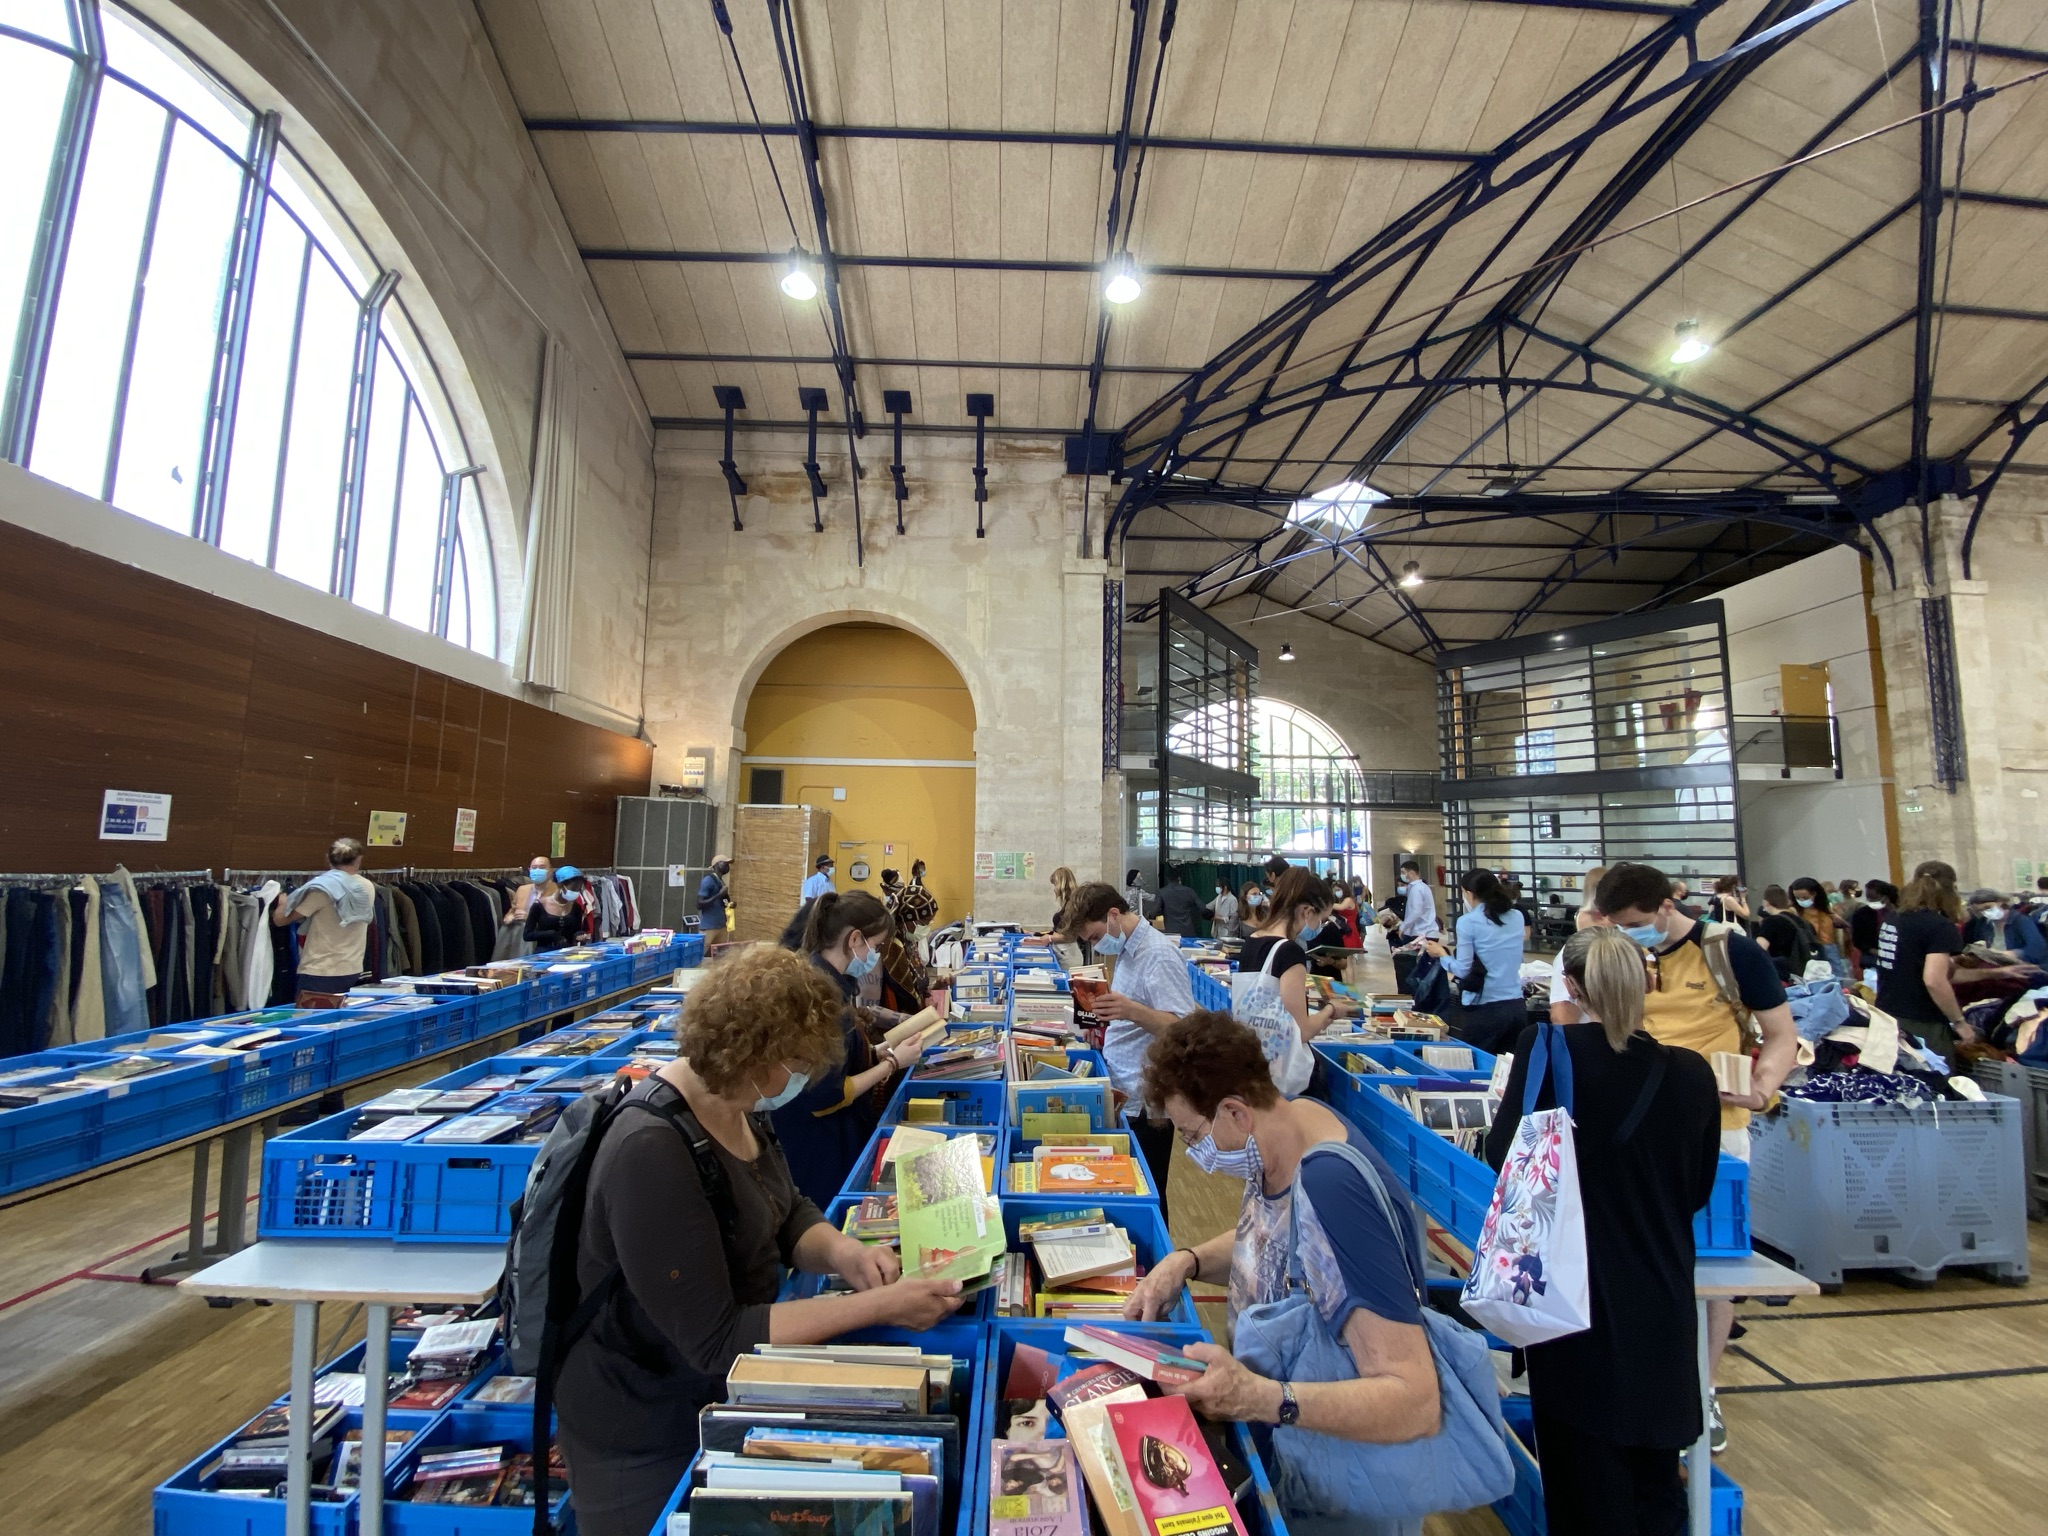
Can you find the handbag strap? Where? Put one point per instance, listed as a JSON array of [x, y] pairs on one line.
[[1553, 1059], [1644, 1099], [1402, 1230], [1272, 954]]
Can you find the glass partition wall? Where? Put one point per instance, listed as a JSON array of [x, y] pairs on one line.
[[1590, 746]]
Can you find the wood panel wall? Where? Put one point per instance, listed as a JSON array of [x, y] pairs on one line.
[[272, 738]]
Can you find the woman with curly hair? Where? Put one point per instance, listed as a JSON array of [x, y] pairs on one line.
[[683, 1300]]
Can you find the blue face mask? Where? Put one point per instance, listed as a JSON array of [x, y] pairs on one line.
[[1804, 901], [860, 965], [1645, 934], [798, 1081], [1243, 1163], [1111, 943]]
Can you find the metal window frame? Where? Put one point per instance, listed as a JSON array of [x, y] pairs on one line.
[[117, 423], [445, 548], [355, 450], [224, 392]]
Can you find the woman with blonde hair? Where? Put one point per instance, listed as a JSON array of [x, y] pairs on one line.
[[1615, 1406], [683, 1294], [1063, 887]]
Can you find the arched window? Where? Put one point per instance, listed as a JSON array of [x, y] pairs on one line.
[[196, 333], [1311, 801]]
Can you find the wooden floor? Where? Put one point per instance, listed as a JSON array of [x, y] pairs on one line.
[[1881, 1409]]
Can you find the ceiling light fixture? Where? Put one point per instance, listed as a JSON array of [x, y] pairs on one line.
[[1411, 574], [797, 281], [1120, 284], [1691, 345], [1286, 651]]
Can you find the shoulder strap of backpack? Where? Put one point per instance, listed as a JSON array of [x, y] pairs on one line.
[[1714, 950]]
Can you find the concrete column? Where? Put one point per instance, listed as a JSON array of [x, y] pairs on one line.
[[1966, 826]]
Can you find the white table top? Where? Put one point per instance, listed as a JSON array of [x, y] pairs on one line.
[[1751, 1275], [282, 1270]]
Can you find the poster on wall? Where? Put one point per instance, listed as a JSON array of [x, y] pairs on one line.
[[984, 865], [387, 829], [129, 817], [465, 830], [696, 769], [558, 840], [1030, 866], [1006, 866], [678, 876]]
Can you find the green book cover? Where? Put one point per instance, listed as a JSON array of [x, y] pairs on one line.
[[950, 1227]]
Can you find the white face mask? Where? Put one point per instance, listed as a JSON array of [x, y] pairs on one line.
[[798, 1081], [1244, 1163]]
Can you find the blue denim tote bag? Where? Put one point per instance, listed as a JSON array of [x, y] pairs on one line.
[[1463, 1465]]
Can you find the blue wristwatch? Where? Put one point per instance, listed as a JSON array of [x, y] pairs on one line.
[[1290, 1410]]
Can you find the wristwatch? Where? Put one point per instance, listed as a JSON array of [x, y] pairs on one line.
[[1290, 1410]]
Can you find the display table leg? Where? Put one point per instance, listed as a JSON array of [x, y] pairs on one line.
[[196, 1256], [1699, 1460], [232, 1227], [376, 1383], [298, 1508]]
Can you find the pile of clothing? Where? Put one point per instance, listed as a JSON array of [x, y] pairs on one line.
[[1851, 1052]]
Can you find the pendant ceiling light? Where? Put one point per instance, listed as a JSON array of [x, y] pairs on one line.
[[1286, 651], [797, 281], [1691, 345], [1411, 574], [1120, 279]]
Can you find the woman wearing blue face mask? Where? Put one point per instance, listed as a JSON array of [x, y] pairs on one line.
[[691, 1290], [825, 1127], [1307, 1173]]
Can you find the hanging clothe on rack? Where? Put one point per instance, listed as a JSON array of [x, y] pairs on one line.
[[79, 958]]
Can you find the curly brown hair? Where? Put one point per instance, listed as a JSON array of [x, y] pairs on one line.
[[1206, 1057], [757, 1007]]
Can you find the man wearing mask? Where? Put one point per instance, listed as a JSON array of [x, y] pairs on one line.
[[1152, 990], [821, 882], [1418, 911], [1995, 921], [714, 902], [1708, 980]]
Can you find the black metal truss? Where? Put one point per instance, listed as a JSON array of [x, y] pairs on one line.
[[946, 263]]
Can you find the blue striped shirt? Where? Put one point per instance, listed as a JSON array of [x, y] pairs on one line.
[[1149, 970]]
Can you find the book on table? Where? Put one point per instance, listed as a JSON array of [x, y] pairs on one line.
[[1178, 1489], [948, 1224], [1083, 1402], [1138, 1353], [759, 1380], [1069, 1254], [1034, 1489]]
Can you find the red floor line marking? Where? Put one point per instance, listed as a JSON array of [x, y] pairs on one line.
[[87, 1273]]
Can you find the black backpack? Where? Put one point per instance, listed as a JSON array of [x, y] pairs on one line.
[[545, 1311]]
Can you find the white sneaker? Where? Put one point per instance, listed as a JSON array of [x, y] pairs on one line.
[[1717, 1428]]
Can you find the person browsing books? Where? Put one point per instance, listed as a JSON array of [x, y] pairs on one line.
[[1150, 990], [690, 1299], [1487, 963], [1615, 1404], [540, 879], [1301, 906], [1209, 1073], [824, 1128]]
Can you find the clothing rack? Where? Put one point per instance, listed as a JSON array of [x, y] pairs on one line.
[[154, 877]]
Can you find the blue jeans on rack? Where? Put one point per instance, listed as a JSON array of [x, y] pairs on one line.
[[120, 962]]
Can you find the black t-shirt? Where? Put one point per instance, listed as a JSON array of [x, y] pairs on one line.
[[1252, 958], [1633, 1377], [1904, 941], [1791, 943], [1863, 926]]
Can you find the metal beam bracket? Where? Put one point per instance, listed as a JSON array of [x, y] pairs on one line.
[[897, 403], [813, 401], [731, 399], [980, 407]]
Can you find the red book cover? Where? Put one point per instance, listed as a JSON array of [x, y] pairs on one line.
[[1179, 1490]]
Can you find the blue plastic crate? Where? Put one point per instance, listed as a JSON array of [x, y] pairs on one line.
[[1407, 1057], [374, 1038], [1209, 991], [1721, 1231], [318, 1183], [503, 1066], [51, 1140], [979, 1104], [860, 1182], [505, 1008], [688, 950], [1140, 1218], [147, 1111], [183, 1505], [450, 1023], [965, 1341], [1261, 1509], [461, 1194], [510, 1427]]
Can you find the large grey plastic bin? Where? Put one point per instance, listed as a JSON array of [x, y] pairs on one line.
[[1915, 1188], [2029, 1085]]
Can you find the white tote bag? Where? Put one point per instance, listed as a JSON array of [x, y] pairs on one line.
[[1255, 1002], [1529, 1282]]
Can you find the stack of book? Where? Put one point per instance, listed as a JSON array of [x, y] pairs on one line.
[[536, 1113], [1092, 1164], [1036, 1056], [443, 1361], [873, 1220], [473, 1130], [258, 1460], [812, 1463], [1085, 1265], [345, 1471], [898, 1142], [1081, 1105], [961, 1059], [1148, 1466], [482, 1475]]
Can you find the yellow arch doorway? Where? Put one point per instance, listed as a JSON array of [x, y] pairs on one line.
[[875, 726]]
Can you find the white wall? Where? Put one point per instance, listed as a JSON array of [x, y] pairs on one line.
[[1017, 612], [1810, 612]]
